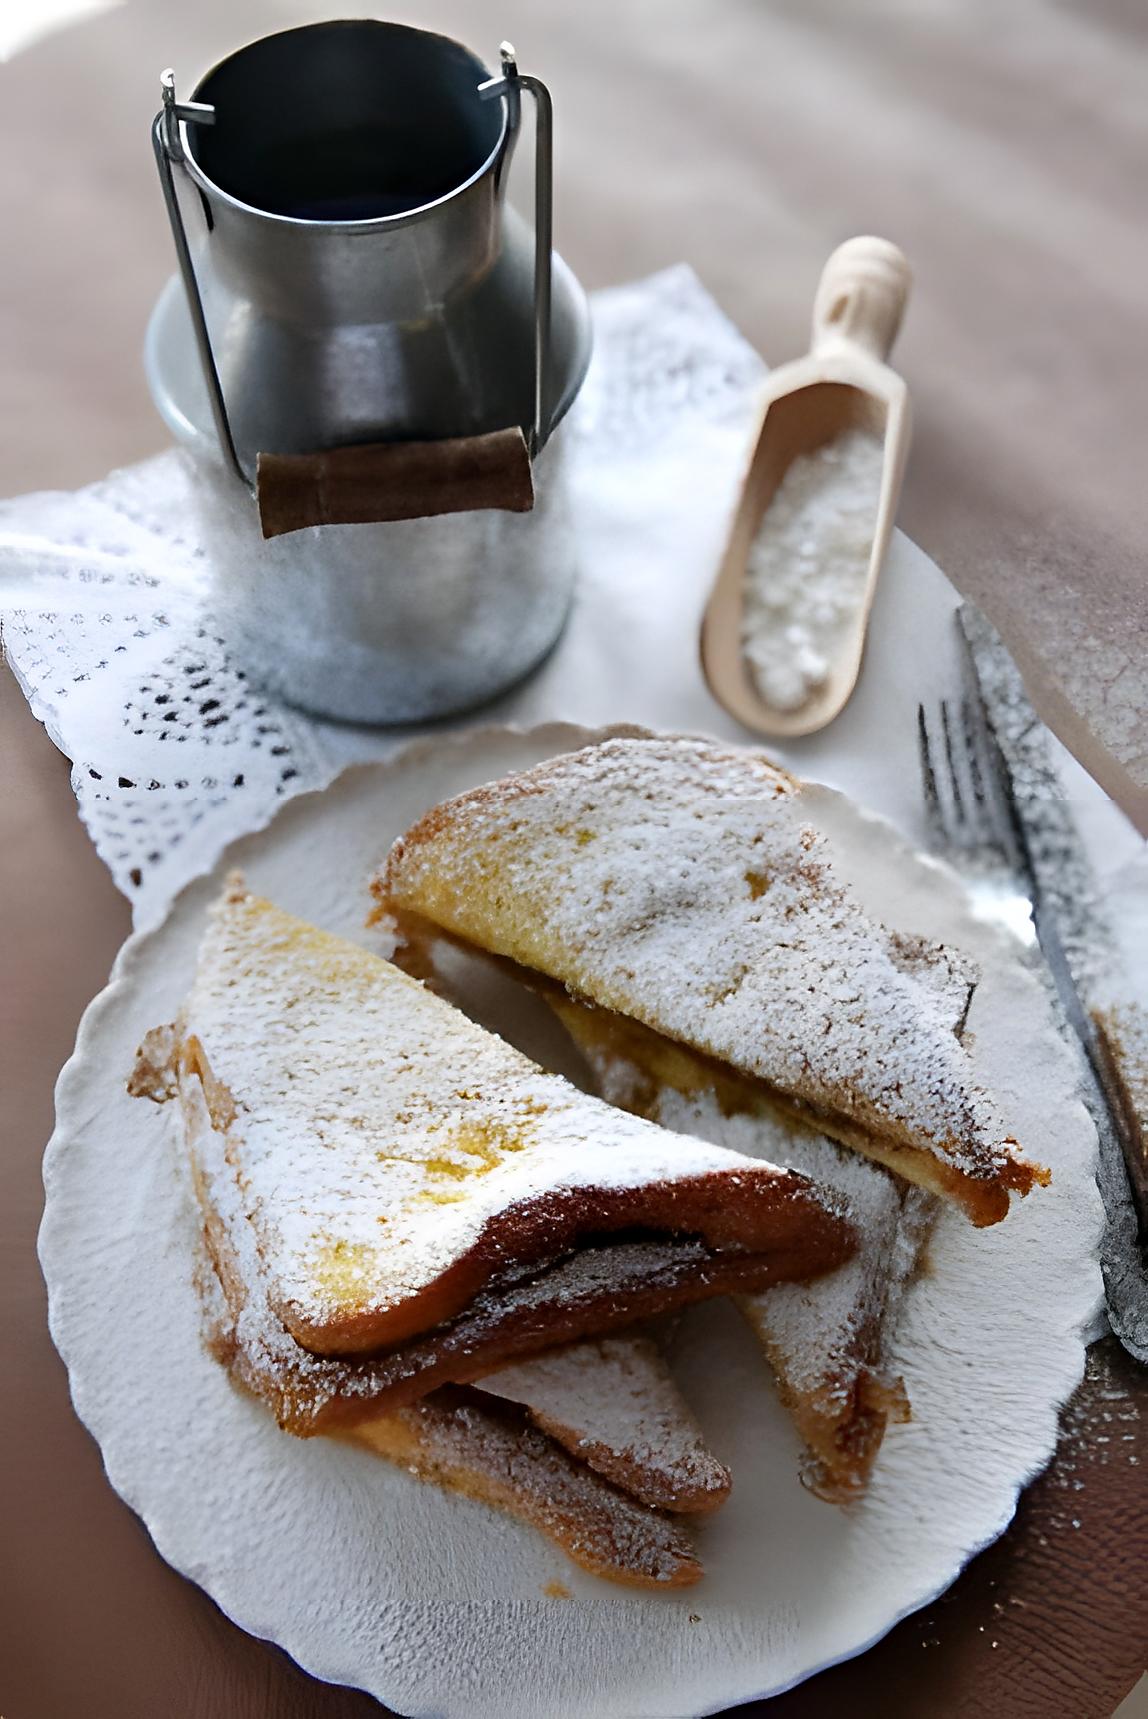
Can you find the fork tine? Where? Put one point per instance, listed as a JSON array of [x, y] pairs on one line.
[[960, 805], [967, 811], [985, 767], [972, 754], [951, 755], [928, 774]]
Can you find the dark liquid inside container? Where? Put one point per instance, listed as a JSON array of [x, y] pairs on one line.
[[345, 122], [356, 175], [360, 174]]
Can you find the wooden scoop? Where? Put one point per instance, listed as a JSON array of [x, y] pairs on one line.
[[843, 383]]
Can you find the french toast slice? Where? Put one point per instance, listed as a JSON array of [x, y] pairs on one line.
[[471, 1443], [828, 1342], [614, 1404], [681, 885], [419, 1195], [490, 1451]]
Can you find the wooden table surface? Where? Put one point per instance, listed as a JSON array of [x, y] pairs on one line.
[[1003, 148]]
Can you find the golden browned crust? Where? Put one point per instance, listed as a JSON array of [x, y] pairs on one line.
[[489, 1451], [311, 1398], [467, 1442], [309, 1394], [486, 866], [776, 1227], [842, 1420], [503, 793], [983, 1197], [612, 1404], [644, 1481], [769, 1218]]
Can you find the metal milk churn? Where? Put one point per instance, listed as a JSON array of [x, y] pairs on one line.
[[368, 355]]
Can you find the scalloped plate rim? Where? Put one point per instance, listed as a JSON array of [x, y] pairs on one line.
[[159, 1529]]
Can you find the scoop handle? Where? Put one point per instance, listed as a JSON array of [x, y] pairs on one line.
[[861, 296]]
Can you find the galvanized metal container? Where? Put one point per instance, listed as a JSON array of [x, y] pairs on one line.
[[351, 274]]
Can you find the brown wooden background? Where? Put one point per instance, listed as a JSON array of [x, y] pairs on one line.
[[1003, 145]]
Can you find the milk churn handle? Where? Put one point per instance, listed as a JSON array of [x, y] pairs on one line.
[[509, 85], [501, 475], [168, 153]]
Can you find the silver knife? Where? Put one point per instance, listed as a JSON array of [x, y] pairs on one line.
[[1077, 942]]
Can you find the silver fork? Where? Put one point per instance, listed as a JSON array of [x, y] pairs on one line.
[[994, 809], [968, 816], [974, 826]]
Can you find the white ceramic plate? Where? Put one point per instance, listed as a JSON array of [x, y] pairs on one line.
[[434, 1604]]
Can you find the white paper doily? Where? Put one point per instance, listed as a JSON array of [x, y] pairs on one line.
[[103, 598], [435, 1604]]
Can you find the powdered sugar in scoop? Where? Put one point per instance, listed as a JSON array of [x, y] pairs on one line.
[[808, 565]]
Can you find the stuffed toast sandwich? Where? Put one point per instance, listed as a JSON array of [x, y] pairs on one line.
[[396, 1204]]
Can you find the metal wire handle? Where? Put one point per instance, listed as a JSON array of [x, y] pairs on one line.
[[510, 84], [168, 148]]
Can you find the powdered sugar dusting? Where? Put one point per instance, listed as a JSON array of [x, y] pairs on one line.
[[456, 1440], [474, 1446], [680, 884], [616, 1393], [378, 1130], [300, 1387], [826, 1330], [827, 1341]]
